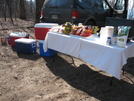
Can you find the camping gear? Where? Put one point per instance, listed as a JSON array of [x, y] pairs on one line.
[[17, 35], [24, 45], [67, 27], [41, 29], [106, 32], [122, 36], [48, 53], [3, 39]]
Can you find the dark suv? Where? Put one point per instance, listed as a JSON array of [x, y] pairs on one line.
[[88, 12]]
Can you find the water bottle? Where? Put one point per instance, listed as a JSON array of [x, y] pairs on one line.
[[108, 42]]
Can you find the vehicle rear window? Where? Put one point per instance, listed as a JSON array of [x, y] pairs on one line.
[[92, 5], [56, 3]]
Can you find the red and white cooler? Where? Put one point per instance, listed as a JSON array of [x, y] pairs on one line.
[[41, 29], [17, 35]]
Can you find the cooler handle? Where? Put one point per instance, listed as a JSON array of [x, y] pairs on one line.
[[33, 45]]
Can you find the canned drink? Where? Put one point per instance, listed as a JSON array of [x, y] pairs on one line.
[[3, 39]]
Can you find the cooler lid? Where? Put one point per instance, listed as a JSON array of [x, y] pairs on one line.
[[18, 34], [45, 25], [25, 40]]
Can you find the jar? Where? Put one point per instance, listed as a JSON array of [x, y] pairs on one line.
[[67, 28]]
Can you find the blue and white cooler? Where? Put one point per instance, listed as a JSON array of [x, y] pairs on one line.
[[24, 45], [48, 53]]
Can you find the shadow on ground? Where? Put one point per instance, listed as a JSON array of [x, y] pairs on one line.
[[91, 82], [32, 56], [83, 78], [129, 67]]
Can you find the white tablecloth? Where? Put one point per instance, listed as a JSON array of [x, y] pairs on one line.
[[107, 58], [63, 43]]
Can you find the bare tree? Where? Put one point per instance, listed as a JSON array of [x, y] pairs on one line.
[[16, 9], [5, 9], [39, 4], [130, 14], [22, 9], [112, 5], [125, 9], [7, 3]]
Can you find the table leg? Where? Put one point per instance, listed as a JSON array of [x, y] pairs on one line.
[[123, 71], [111, 81], [72, 60]]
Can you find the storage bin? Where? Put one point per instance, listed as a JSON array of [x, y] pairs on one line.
[[16, 35], [24, 45], [48, 53], [41, 29]]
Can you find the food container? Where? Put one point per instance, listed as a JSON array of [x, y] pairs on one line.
[[24, 45], [106, 32], [41, 29], [2, 39]]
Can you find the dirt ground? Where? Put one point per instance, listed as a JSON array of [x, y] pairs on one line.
[[31, 77]]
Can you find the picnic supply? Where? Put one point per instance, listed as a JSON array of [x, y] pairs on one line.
[[122, 36], [109, 30], [48, 53], [80, 24], [3, 39], [95, 29], [24, 45], [41, 29], [106, 32], [108, 42], [67, 27], [74, 29], [17, 35], [61, 29], [114, 40], [86, 32], [79, 30], [55, 29]]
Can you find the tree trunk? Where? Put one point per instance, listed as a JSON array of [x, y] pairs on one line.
[[10, 10], [22, 10], [125, 9], [5, 10], [39, 4], [111, 9]]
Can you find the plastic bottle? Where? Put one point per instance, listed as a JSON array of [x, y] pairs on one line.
[[114, 40], [108, 42]]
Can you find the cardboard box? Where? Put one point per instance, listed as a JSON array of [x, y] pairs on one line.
[[24, 45], [41, 29]]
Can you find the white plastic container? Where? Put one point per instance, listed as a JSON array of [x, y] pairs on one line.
[[114, 40], [106, 32], [122, 40], [122, 36], [109, 30]]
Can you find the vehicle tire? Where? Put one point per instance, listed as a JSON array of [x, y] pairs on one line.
[[41, 21], [91, 23]]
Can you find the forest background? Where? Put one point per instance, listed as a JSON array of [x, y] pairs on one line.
[[30, 9]]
